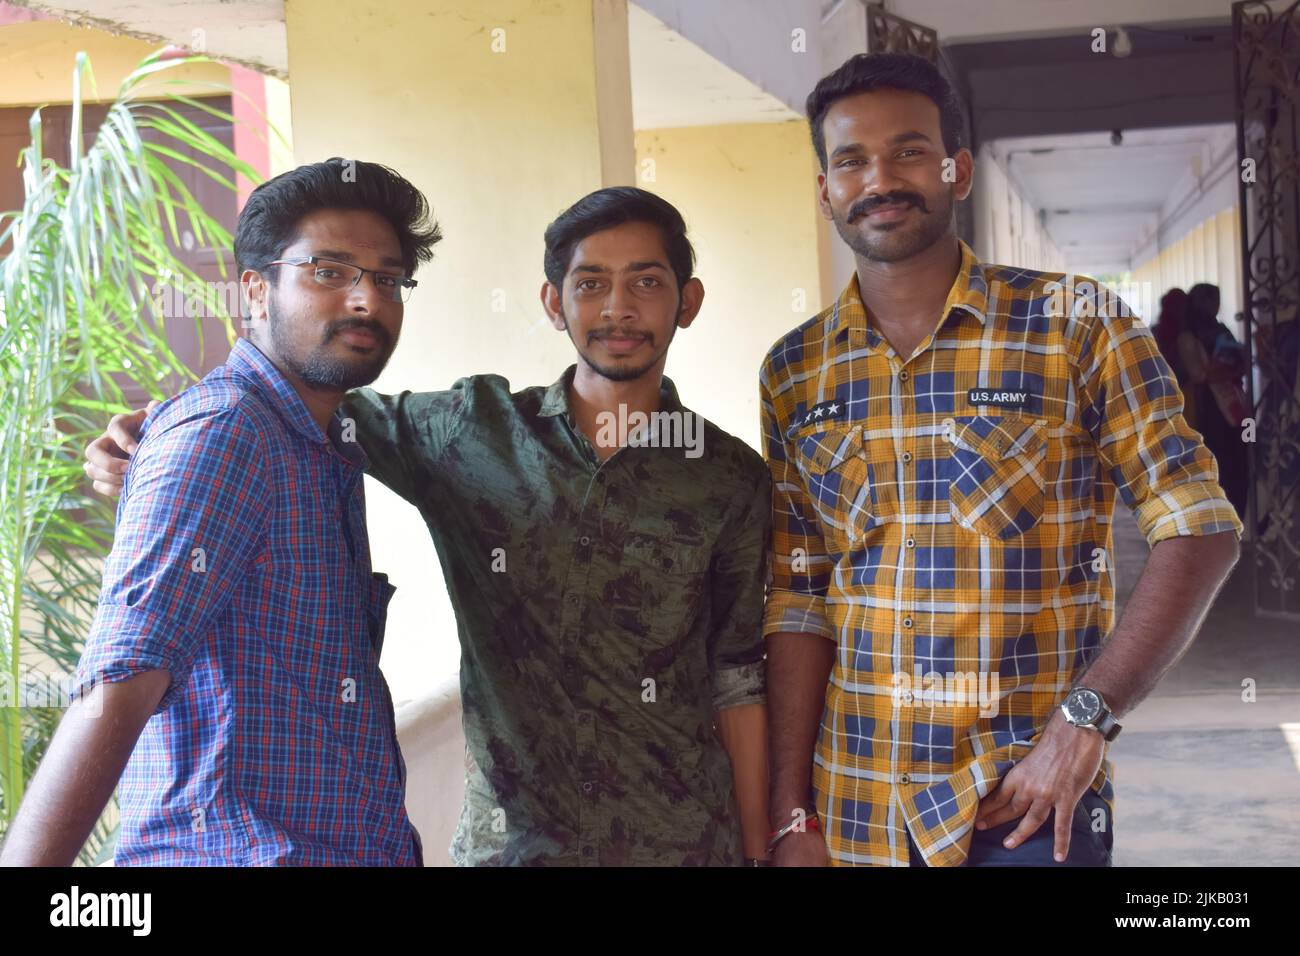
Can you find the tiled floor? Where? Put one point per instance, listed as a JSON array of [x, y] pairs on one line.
[[1203, 777]]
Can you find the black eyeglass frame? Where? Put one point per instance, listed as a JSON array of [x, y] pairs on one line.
[[403, 282]]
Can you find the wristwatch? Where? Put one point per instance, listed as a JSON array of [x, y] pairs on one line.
[[1085, 707]]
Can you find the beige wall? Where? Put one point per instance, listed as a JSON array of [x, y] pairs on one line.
[[1007, 230], [1210, 252], [490, 107], [748, 193]]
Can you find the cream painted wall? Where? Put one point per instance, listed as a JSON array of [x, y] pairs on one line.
[[748, 194], [1007, 230], [39, 56], [490, 108], [279, 116], [1211, 252]]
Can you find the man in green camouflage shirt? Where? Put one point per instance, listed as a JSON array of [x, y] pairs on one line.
[[608, 580]]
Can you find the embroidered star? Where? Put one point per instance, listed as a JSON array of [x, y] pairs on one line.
[[818, 412], [833, 409]]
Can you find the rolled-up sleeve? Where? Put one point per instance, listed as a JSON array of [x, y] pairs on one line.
[[1134, 410], [191, 521], [796, 600]]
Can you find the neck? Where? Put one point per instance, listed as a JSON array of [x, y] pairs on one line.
[[910, 289], [321, 403], [592, 393]]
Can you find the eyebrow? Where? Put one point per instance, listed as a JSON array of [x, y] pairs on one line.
[[638, 266], [911, 135], [349, 257]]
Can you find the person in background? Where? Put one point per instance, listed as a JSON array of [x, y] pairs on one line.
[[1214, 363], [1168, 326]]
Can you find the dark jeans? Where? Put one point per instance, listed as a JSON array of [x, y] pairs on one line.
[[1086, 847]]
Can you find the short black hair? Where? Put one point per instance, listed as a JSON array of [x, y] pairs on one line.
[[614, 206], [866, 72], [269, 221]]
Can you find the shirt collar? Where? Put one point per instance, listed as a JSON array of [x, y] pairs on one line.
[[969, 292], [556, 399], [249, 359]]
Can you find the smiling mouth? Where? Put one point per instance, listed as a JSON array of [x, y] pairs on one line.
[[889, 213]]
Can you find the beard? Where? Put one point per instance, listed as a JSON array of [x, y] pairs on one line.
[[620, 373], [893, 242], [317, 367]]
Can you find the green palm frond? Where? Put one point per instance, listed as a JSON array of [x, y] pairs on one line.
[[80, 323]]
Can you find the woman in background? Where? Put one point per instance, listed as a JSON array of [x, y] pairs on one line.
[[1214, 363]]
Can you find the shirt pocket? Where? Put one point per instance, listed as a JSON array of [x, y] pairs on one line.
[[672, 579], [839, 480], [996, 473]]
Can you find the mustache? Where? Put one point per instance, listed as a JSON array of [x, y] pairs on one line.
[[869, 205], [344, 325], [607, 331]]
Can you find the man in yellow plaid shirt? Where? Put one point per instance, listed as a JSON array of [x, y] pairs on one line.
[[947, 443]]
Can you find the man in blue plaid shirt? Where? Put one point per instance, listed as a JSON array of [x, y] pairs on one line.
[[231, 677]]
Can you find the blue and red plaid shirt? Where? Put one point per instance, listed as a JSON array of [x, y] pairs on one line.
[[241, 565]]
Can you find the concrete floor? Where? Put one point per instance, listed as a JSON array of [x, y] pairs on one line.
[[1201, 777]]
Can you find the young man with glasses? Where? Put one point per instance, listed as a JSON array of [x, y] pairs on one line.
[[231, 676]]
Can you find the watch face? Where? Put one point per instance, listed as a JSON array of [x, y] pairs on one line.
[[1083, 706]]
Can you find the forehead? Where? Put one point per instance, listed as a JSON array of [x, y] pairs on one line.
[[879, 114], [358, 229], [615, 247]]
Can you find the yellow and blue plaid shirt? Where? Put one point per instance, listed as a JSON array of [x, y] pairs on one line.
[[946, 519]]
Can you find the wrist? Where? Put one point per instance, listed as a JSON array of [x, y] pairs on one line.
[[783, 807], [798, 823]]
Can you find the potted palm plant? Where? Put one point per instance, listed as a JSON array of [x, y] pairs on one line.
[[80, 324]]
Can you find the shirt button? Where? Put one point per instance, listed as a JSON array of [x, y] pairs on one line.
[[904, 375], [588, 850], [904, 778], [586, 787], [584, 541], [907, 622], [908, 697], [907, 456], [911, 542]]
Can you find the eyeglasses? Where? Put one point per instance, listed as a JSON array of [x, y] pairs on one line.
[[333, 274]]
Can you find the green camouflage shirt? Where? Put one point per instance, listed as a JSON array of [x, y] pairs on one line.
[[605, 611]]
